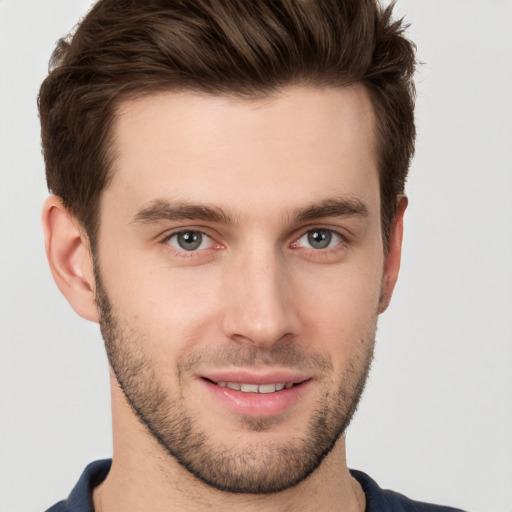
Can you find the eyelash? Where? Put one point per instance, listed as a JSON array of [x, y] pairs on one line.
[[342, 241]]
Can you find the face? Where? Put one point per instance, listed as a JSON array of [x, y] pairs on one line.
[[239, 277]]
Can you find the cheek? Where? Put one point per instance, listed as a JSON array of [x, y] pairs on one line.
[[166, 308], [339, 305]]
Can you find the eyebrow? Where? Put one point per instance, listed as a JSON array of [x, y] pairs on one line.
[[165, 210], [338, 207]]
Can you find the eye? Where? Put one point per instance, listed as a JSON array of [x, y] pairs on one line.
[[189, 240], [320, 239]]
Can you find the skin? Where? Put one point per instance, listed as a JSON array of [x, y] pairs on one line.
[[256, 284]]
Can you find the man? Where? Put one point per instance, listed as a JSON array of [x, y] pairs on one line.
[[228, 201]]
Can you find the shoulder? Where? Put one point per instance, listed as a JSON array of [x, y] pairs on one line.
[[80, 498], [383, 500]]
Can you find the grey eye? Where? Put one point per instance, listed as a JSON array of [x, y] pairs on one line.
[[320, 239], [190, 240]]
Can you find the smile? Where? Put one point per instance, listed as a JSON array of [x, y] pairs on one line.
[[254, 394], [256, 388]]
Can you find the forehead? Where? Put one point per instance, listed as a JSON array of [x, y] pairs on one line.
[[301, 144]]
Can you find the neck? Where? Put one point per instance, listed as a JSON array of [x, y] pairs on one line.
[[144, 477]]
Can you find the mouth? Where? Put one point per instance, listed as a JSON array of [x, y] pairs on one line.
[[245, 387], [254, 395]]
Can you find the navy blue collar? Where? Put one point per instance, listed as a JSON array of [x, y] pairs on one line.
[[377, 499]]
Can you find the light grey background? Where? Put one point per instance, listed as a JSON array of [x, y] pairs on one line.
[[436, 420]]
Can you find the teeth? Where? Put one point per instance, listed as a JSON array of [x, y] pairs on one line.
[[267, 388], [249, 388], [255, 388]]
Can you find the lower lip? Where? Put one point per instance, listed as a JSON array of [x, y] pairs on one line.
[[258, 404]]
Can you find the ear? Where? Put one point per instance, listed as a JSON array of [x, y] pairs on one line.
[[70, 258], [392, 262]]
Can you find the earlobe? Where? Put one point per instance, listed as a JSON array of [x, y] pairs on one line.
[[392, 262], [70, 259]]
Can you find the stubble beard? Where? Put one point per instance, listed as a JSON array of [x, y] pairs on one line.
[[259, 468]]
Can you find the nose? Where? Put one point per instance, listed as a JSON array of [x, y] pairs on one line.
[[259, 304]]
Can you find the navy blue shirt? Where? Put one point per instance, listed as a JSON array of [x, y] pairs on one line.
[[377, 499]]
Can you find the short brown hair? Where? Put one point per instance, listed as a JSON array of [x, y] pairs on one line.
[[127, 48]]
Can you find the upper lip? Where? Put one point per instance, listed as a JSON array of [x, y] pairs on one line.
[[269, 376]]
